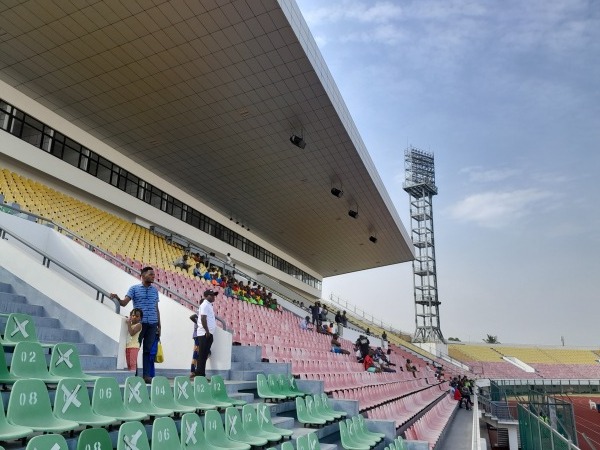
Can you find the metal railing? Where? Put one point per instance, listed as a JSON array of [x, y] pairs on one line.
[[100, 293], [536, 434], [476, 433]]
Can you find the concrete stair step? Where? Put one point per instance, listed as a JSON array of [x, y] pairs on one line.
[[7, 306], [5, 287], [245, 375], [48, 322], [264, 367], [12, 297]]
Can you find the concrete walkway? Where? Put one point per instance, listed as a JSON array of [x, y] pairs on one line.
[[459, 434]]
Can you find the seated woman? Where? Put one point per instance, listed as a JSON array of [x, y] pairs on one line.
[[336, 346], [369, 364]]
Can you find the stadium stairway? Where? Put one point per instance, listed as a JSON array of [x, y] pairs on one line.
[[18, 297]]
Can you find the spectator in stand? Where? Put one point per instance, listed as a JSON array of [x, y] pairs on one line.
[[305, 324], [344, 319], [145, 297], [411, 368], [208, 326], [465, 396], [132, 346], [363, 345], [314, 312], [197, 272], [336, 346], [369, 364], [368, 332], [182, 262], [323, 314], [339, 323]]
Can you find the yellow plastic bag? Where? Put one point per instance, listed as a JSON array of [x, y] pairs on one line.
[[160, 357]]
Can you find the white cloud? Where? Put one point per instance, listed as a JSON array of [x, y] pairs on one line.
[[495, 209], [480, 175], [365, 12]]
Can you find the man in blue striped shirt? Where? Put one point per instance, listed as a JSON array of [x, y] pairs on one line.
[[145, 297]]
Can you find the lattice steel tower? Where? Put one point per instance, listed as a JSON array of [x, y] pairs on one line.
[[420, 185]]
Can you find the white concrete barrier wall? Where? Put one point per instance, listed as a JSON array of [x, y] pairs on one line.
[[176, 326]]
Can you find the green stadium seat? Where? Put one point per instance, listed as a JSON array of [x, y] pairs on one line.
[[252, 427], [20, 328], [285, 384], [94, 439], [72, 402], [264, 390], [162, 396], [348, 442], [276, 388], [215, 433], [357, 436], [203, 393], [302, 442], [234, 429], [312, 410], [399, 444], [313, 441], [184, 394], [327, 406], [8, 432], [64, 363], [136, 398], [107, 401], [294, 386], [164, 435], [319, 410], [5, 376], [47, 441], [132, 436], [265, 423], [192, 433], [361, 426], [29, 406], [29, 361], [287, 446], [304, 417], [219, 391]]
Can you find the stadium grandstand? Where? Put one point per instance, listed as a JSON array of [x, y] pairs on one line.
[[209, 141]]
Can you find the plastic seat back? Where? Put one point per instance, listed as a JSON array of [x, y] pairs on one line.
[[164, 435], [107, 400], [289, 446], [9, 431], [65, 363], [219, 391], [184, 391], [29, 406], [313, 442], [192, 433], [19, 328], [203, 393], [302, 442], [264, 390], [132, 436], [47, 441], [135, 396], [94, 439], [161, 393], [72, 402], [29, 361], [215, 433], [5, 375]]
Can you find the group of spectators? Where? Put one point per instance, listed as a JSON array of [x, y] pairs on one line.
[[320, 321], [212, 276], [462, 388]]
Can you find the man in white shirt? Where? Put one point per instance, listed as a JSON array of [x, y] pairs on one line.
[[207, 327]]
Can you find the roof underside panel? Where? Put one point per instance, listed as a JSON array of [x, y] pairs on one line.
[[206, 95]]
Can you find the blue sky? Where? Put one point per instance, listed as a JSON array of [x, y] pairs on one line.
[[507, 96]]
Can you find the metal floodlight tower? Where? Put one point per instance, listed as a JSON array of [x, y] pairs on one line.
[[420, 185]]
